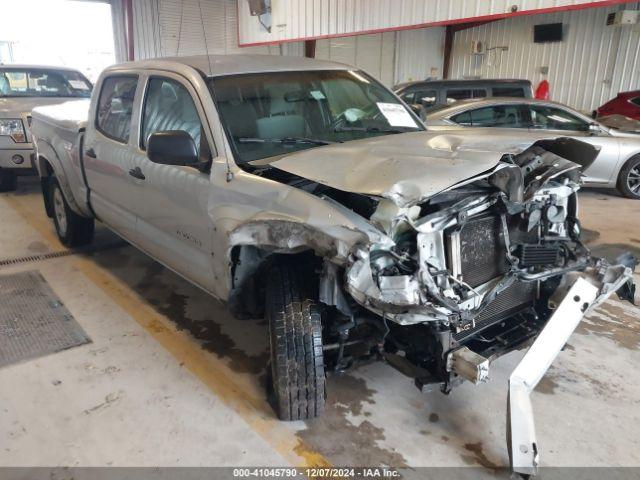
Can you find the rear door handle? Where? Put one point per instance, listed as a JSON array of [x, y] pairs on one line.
[[90, 153], [137, 173]]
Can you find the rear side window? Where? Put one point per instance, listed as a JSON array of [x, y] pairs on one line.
[[508, 92], [115, 106], [506, 116], [551, 118], [635, 101], [455, 95], [426, 98], [408, 97]]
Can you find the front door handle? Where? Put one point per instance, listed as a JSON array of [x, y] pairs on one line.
[[137, 173], [89, 152]]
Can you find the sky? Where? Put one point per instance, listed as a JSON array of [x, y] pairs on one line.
[[68, 33]]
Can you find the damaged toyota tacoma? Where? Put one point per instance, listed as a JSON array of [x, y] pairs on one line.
[[305, 192]]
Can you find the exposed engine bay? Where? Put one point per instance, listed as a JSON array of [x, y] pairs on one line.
[[467, 274]]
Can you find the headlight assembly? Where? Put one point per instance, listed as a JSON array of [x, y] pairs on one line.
[[13, 128]]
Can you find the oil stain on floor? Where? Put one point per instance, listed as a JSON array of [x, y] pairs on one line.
[[341, 440]]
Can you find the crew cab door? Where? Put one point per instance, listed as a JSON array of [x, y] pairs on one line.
[[170, 202], [108, 152], [560, 122]]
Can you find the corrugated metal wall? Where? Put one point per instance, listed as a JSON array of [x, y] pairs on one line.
[[419, 54], [591, 65], [299, 19], [372, 53], [117, 21], [192, 27]]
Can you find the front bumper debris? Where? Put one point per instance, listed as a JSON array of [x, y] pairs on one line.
[[588, 290]]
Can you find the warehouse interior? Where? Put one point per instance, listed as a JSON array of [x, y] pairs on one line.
[[164, 376]]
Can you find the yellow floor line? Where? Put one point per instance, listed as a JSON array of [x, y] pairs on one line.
[[253, 409]]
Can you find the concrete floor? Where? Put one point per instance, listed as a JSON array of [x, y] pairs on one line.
[[171, 379]]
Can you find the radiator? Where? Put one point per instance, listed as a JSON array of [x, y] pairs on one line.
[[508, 302], [478, 250]]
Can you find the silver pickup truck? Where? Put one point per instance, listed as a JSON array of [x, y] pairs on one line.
[[23, 87], [306, 192]]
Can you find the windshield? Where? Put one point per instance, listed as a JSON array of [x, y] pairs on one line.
[[271, 114], [43, 83]]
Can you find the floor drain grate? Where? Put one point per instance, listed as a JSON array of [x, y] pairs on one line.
[[62, 253], [33, 321]]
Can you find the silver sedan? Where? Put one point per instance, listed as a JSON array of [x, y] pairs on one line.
[[617, 164]]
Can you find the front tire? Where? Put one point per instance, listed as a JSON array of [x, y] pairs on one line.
[[629, 179], [72, 229], [295, 333], [8, 181]]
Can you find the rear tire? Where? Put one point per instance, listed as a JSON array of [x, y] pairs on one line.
[[73, 230], [8, 181], [295, 333], [629, 178]]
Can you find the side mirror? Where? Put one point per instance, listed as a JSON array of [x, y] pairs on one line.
[[595, 128], [172, 147], [417, 108]]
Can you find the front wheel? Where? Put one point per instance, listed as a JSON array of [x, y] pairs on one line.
[[295, 334], [72, 229], [629, 179]]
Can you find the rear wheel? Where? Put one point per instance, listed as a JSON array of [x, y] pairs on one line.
[[629, 179], [73, 230], [295, 334], [8, 181]]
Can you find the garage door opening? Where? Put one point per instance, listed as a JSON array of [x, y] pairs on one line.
[[70, 33]]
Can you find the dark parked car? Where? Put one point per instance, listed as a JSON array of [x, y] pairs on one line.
[[626, 104], [428, 95]]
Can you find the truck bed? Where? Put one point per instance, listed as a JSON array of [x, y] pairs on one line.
[[70, 115], [57, 131]]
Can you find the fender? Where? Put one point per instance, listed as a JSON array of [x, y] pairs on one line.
[[47, 154]]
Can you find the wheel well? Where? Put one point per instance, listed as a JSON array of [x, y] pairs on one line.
[[627, 162], [249, 267]]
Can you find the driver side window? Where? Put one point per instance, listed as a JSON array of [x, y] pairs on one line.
[[168, 106]]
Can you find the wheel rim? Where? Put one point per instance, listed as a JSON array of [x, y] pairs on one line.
[[633, 180], [60, 212]]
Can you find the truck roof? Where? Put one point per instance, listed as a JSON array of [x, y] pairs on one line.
[[220, 65]]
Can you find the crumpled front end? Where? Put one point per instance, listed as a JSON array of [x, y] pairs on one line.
[[486, 267], [457, 255]]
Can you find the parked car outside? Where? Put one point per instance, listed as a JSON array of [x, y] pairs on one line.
[[304, 191], [23, 87], [429, 95], [616, 166], [625, 103]]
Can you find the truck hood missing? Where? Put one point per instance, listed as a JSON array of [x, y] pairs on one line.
[[405, 169]]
